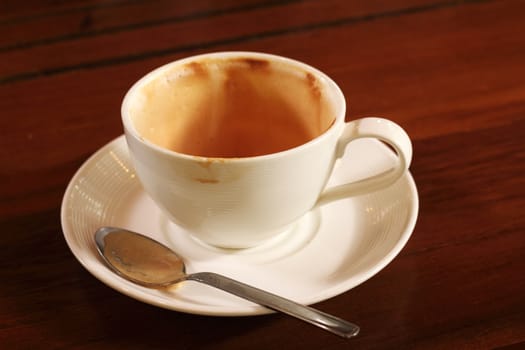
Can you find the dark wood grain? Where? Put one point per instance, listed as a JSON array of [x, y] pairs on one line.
[[98, 19], [179, 35], [451, 73]]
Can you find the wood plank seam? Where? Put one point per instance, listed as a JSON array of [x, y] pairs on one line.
[[238, 39]]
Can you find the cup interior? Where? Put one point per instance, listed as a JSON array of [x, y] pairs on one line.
[[231, 106]]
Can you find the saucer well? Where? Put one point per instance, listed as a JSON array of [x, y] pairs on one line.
[[327, 252]]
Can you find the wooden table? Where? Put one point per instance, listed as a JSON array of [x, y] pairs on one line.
[[452, 73]]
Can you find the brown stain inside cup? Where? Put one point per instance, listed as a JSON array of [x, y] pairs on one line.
[[234, 108], [197, 68], [314, 86], [255, 63]]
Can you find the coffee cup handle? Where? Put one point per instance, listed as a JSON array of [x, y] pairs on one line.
[[378, 128]]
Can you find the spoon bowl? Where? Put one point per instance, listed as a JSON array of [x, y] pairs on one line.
[[149, 263]]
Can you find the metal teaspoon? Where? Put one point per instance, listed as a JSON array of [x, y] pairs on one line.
[[147, 262]]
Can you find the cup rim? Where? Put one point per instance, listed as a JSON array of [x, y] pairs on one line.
[[131, 130]]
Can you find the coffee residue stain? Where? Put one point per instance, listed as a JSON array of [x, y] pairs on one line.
[[255, 64], [206, 162], [315, 92], [314, 85], [198, 68], [237, 108]]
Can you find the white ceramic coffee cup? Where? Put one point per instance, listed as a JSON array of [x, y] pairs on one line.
[[242, 202]]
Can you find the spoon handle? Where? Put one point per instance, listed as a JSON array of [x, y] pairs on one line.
[[308, 314]]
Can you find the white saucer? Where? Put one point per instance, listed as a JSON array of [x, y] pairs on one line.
[[328, 252]]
